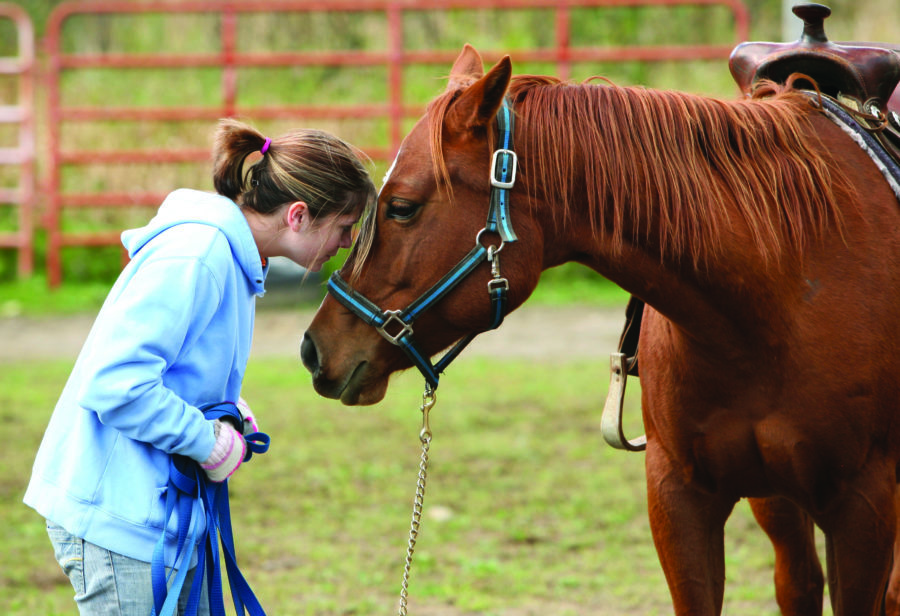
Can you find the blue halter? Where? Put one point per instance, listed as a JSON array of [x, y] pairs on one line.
[[190, 493], [503, 177]]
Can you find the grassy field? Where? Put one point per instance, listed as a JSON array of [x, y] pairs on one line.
[[527, 511]]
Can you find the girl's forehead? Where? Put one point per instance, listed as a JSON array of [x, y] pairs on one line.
[[339, 220]]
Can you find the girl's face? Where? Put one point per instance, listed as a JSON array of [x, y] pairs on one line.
[[316, 241]]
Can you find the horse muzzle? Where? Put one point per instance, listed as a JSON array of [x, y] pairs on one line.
[[353, 384]]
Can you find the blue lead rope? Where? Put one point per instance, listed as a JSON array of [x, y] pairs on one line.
[[194, 498]]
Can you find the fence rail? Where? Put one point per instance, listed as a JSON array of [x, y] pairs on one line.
[[21, 156]]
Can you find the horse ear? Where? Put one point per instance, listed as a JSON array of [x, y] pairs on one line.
[[468, 66], [478, 103]]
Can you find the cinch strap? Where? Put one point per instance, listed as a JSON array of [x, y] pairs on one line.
[[193, 497]]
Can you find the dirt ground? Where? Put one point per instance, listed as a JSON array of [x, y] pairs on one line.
[[532, 332]]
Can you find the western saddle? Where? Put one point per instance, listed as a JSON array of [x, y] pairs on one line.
[[863, 77]]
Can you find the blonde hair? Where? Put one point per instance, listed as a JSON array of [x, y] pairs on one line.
[[306, 165]]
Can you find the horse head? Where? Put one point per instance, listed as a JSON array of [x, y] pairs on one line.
[[430, 213]]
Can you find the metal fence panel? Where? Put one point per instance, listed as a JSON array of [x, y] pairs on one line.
[[229, 56]]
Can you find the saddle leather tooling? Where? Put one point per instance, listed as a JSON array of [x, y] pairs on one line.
[[862, 77]]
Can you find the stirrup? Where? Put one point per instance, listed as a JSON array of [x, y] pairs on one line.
[[611, 420]]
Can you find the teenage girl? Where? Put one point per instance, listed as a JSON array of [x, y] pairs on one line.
[[173, 336]]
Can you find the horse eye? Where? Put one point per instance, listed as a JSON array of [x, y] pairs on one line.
[[400, 209]]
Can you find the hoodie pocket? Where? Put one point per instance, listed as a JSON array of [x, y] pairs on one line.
[[130, 486]]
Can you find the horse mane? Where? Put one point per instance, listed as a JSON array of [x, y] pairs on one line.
[[685, 156]]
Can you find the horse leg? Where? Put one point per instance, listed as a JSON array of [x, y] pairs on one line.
[[799, 583], [688, 527], [860, 534]]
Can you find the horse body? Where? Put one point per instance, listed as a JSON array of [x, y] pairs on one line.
[[770, 271], [805, 412]]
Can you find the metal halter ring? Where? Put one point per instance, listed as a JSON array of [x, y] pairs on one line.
[[393, 316], [495, 249]]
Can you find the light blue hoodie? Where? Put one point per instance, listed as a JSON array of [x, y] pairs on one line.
[[173, 335]]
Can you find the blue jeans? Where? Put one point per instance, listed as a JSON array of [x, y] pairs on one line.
[[109, 584]]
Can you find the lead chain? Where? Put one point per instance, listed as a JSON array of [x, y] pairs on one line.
[[425, 437]]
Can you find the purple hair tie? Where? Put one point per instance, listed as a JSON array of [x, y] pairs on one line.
[[265, 147]]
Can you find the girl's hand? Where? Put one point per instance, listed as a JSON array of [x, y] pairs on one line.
[[247, 415], [227, 453]]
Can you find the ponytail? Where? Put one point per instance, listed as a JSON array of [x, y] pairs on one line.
[[305, 165], [234, 142]]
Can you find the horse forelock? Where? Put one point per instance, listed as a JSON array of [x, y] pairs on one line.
[[697, 161], [434, 124]]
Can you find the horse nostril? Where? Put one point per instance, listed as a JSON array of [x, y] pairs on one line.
[[309, 355]]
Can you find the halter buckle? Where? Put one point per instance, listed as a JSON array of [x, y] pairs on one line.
[[498, 283], [513, 166], [393, 315]]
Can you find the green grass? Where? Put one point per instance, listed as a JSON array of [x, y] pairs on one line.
[[33, 296], [527, 511], [566, 285]]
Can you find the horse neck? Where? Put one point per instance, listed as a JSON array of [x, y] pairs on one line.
[[644, 188]]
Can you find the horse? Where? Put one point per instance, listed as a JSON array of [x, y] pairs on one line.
[[760, 238]]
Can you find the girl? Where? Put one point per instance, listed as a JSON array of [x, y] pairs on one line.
[[174, 335]]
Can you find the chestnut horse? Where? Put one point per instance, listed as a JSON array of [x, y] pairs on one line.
[[764, 243]]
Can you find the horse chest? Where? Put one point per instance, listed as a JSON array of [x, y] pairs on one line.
[[739, 454], [745, 455], [740, 427]]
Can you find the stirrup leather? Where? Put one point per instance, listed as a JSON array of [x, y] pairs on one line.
[[611, 420]]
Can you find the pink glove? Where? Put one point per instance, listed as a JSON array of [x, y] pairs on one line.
[[247, 415], [227, 453]]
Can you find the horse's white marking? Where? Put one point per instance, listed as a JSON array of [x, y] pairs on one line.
[[387, 175]]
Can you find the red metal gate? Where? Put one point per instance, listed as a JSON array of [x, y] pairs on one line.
[[20, 156], [395, 38]]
